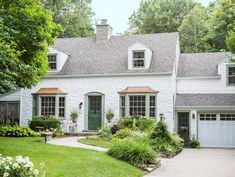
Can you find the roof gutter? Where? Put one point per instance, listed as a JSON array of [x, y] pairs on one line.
[[205, 107], [207, 77], [108, 75]]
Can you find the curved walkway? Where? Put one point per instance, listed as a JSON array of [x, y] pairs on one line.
[[73, 142]]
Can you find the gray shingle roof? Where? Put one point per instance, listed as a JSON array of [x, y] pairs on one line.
[[205, 100], [200, 64], [89, 57]]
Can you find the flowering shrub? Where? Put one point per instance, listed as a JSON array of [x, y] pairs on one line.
[[17, 167]]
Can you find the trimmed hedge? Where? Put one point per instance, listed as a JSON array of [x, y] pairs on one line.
[[47, 123], [16, 131]]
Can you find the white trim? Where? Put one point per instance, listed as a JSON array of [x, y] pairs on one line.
[[204, 107], [108, 75], [206, 77]]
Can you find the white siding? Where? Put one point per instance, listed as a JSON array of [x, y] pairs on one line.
[[109, 86], [205, 85], [11, 96]]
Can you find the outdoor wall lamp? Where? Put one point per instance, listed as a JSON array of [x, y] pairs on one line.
[[193, 116], [161, 115], [80, 105]]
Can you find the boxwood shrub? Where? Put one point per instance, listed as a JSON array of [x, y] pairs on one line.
[[136, 153], [45, 122], [16, 131]]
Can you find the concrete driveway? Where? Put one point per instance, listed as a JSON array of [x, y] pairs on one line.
[[198, 163]]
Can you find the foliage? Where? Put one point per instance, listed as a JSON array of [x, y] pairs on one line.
[[163, 141], [195, 143], [126, 122], [109, 115], [121, 134], [220, 23], [145, 123], [105, 133], [16, 131], [26, 32], [193, 30], [156, 16], [46, 122], [136, 153], [161, 132], [18, 167], [75, 16], [141, 123], [115, 128], [74, 115], [230, 40], [75, 160]]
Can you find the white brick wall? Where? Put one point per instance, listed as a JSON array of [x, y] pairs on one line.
[[109, 86]]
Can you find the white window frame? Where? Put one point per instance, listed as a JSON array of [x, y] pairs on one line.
[[134, 59], [38, 100], [147, 103], [228, 76], [56, 61]]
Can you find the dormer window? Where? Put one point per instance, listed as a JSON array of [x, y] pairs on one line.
[[52, 61], [138, 59], [231, 75]]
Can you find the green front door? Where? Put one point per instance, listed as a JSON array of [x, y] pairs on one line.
[[183, 126], [94, 112]]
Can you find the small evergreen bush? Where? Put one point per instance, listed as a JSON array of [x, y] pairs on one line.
[[136, 153], [17, 131]]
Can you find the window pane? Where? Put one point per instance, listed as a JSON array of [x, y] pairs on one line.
[[138, 63], [137, 106], [231, 71], [52, 61], [47, 106], [61, 106], [152, 106], [122, 106], [138, 54]]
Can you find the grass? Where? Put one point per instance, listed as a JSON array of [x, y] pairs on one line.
[[96, 142], [61, 161]]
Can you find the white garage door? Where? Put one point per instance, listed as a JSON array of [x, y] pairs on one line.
[[216, 130]]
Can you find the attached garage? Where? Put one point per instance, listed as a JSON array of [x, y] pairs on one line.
[[211, 118], [216, 130]]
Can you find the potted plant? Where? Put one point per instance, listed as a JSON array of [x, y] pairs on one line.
[[109, 115], [74, 116]]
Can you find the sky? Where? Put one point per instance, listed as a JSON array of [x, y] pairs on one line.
[[117, 12]]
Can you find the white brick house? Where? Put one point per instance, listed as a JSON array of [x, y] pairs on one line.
[[133, 75]]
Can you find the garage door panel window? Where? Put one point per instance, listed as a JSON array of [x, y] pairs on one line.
[[227, 117], [208, 117]]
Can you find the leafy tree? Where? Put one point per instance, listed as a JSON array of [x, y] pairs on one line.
[[219, 23], [155, 16], [193, 31], [26, 31], [230, 40], [73, 15]]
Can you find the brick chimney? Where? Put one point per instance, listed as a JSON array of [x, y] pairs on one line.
[[103, 31]]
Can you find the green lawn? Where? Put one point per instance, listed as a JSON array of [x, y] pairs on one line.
[[67, 161], [96, 142]]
